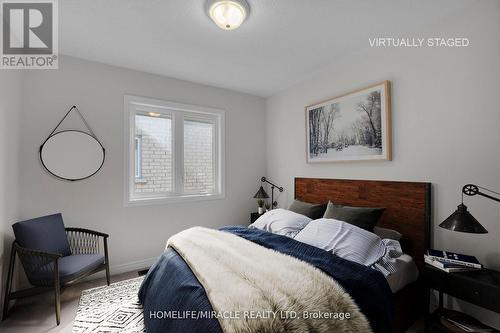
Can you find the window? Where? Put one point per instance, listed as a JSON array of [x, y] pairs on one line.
[[198, 156], [138, 157], [175, 152]]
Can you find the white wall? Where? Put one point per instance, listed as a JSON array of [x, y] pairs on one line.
[[137, 234], [446, 125], [10, 111]]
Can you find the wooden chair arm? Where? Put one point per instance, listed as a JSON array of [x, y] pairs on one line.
[[41, 267], [88, 231], [31, 252]]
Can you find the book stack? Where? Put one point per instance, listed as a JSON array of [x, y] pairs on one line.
[[459, 322], [451, 262]]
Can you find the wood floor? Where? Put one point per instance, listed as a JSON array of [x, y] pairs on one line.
[[37, 314]]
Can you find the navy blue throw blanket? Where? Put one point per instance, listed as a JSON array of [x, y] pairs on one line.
[[172, 297]]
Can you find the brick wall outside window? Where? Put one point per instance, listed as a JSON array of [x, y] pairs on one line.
[[156, 134], [198, 157], [156, 158]]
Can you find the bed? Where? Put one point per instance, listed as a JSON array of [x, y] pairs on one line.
[[204, 270], [408, 210]]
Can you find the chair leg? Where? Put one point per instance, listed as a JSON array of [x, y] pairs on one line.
[[107, 273], [58, 305], [10, 276], [106, 257], [57, 292]]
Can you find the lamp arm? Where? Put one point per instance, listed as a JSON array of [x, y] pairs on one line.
[[489, 196], [272, 198], [471, 190], [265, 180]]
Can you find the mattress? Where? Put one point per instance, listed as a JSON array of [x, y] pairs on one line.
[[406, 273]]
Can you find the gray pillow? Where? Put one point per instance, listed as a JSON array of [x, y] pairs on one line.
[[313, 211], [385, 233], [363, 217]]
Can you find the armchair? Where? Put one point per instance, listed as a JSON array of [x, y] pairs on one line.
[[54, 257]]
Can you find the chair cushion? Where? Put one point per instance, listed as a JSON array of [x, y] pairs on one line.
[[70, 267], [44, 234]]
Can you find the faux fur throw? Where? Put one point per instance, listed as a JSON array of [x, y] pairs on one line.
[[255, 289]]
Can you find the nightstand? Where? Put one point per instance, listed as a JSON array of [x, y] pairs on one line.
[[481, 288], [254, 216]]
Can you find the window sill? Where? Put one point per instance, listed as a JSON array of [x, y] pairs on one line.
[[173, 199]]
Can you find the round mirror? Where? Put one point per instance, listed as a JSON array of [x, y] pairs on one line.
[[72, 155]]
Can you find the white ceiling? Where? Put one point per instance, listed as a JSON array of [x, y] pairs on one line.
[[281, 43]]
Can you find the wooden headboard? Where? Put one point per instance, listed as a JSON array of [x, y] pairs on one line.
[[407, 205]]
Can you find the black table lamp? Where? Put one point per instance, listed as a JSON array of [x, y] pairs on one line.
[[463, 221], [261, 194]]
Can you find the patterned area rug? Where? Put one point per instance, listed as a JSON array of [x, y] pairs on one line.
[[110, 309]]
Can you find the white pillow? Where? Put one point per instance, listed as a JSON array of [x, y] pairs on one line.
[[282, 222], [344, 240]]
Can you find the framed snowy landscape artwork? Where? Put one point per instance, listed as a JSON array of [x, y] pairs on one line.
[[352, 127]]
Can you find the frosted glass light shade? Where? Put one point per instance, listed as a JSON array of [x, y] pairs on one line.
[[228, 14]]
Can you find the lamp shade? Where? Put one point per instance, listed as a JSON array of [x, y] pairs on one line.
[[463, 221], [261, 194]]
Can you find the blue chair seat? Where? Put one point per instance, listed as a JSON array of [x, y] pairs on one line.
[[71, 267]]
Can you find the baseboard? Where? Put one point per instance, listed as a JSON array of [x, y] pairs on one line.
[[132, 266], [124, 268]]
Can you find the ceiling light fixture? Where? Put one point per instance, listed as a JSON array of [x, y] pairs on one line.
[[228, 14]]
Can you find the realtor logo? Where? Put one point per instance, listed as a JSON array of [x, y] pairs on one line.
[[29, 34]]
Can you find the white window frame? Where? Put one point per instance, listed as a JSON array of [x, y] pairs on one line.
[[138, 158], [134, 105]]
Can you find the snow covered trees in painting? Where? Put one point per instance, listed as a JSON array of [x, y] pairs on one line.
[[351, 127]]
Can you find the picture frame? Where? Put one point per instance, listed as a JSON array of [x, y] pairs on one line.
[[355, 126]]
